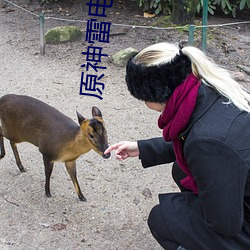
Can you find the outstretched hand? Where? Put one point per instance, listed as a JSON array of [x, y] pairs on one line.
[[124, 150]]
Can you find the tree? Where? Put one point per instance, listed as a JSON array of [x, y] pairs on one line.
[[183, 11]]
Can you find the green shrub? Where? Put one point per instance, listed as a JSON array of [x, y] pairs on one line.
[[156, 6], [227, 6], [165, 6], [211, 7]]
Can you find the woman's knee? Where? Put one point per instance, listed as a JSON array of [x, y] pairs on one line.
[[153, 218], [159, 229]]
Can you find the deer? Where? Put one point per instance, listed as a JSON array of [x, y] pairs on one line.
[[58, 137]]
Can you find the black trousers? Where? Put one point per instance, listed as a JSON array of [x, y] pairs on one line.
[[156, 222], [179, 221]]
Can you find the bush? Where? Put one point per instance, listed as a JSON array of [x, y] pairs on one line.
[[156, 6], [231, 6], [165, 6]]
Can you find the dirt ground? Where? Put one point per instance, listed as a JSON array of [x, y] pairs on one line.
[[119, 195]]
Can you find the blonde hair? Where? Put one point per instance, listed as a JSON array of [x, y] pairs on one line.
[[202, 67]]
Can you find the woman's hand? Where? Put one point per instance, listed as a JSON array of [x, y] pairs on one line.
[[124, 149]]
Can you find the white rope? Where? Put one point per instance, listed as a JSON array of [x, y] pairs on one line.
[[67, 20], [34, 14], [221, 25], [132, 26]]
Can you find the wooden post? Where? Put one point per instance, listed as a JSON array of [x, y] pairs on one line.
[[42, 31]]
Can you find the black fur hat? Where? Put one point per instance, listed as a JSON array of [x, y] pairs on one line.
[[156, 83]]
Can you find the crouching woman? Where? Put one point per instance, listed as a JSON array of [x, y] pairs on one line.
[[205, 120]]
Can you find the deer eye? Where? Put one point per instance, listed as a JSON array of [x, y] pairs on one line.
[[91, 136]]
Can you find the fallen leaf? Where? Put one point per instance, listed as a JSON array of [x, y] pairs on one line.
[[148, 15]]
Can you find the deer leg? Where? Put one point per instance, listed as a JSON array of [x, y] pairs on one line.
[[2, 147], [1, 144], [18, 161], [71, 168], [48, 165]]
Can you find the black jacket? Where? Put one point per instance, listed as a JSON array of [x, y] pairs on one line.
[[216, 145]]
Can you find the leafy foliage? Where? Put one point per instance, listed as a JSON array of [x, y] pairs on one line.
[[157, 6], [244, 3], [211, 7], [231, 6], [226, 6], [165, 6]]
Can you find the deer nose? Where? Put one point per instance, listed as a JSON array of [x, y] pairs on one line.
[[106, 156]]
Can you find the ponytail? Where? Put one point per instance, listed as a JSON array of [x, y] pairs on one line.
[[218, 78]]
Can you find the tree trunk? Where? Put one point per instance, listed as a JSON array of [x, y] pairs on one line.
[[183, 11]]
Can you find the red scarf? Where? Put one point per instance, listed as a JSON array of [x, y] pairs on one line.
[[175, 118]]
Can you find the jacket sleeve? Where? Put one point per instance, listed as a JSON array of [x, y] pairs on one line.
[[155, 151], [220, 173]]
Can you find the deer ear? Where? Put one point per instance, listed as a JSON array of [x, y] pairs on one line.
[[96, 112], [80, 118]]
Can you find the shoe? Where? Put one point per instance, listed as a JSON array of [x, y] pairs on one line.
[[181, 248]]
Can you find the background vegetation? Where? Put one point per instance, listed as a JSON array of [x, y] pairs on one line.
[[227, 6], [165, 6]]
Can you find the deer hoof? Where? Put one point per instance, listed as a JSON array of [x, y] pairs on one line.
[[82, 198], [48, 195]]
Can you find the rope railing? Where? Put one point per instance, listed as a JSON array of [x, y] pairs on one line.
[[21, 8], [191, 28]]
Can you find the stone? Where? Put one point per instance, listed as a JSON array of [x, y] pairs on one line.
[[121, 58], [147, 193], [63, 34], [239, 76]]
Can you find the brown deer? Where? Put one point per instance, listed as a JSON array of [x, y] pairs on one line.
[[59, 139]]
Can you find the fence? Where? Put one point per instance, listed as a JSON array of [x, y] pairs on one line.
[[192, 28]]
